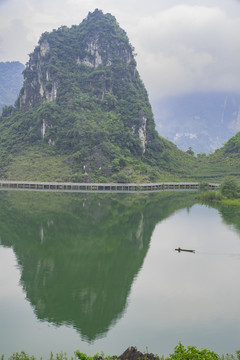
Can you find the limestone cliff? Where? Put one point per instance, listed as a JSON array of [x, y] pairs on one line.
[[101, 53], [39, 85], [82, 96]]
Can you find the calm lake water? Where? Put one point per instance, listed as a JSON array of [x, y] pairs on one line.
[[98, 272]]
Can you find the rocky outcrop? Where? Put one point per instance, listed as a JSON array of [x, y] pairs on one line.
[[133, 354], [45, 126], [140, 130], [102, 54], [39, 85]]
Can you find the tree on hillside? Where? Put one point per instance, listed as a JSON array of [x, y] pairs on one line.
[[190, 151]]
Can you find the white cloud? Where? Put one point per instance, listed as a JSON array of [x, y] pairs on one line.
[[181, 47], [189, 48], [180, 135]]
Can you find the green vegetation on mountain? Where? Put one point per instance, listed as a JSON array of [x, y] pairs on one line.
[[224, 162], [11, 80], [83, 114], [83, 101]]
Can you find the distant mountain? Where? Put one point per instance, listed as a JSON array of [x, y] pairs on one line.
[[83, 100], [202, 121], [11, 80]]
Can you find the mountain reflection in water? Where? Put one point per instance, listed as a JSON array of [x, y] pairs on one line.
[[79, 253]]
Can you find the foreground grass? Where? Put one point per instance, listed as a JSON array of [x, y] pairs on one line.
[[180, 353]]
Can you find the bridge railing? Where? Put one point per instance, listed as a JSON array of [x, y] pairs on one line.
[[113, 187]]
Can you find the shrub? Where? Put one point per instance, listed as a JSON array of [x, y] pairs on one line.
[[209, 196], [231, 357], [203, 185], [122, 178], [230, 188], [192, 353], [82, 356]]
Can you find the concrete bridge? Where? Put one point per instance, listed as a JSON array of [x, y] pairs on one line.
[[100, 187]]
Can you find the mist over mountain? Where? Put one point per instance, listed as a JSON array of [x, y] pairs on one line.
[[202, 121], [11, 80]]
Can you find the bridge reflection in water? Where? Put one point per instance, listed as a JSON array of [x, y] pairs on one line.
[[112, 187]]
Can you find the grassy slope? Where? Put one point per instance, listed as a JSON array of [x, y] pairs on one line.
[[216, 168], [38, 164], [222, 163], [43, 164]]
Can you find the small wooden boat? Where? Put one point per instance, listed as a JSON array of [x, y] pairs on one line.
[[186, 250]]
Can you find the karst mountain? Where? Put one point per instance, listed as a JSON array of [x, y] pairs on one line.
[[83, 112]]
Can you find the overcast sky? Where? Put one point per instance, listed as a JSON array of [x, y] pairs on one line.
[[182, 45]]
